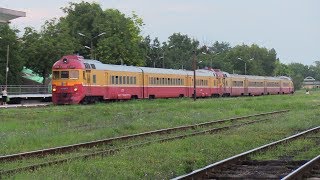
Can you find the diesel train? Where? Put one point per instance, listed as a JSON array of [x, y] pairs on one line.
[[77, 80]]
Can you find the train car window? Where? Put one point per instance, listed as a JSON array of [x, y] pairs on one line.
[[87, 65], [131, 80], [124, 80], [128, 80], [64, 74], [112, 79], [134, 80], [56, 75], [94, 79], [74, 74], [120, 79], [93, 66], [116, 80], [84, 75]]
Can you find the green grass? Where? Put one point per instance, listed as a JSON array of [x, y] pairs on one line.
[[31, 129]]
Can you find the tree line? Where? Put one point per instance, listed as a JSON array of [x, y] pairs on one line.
[[112, 37]]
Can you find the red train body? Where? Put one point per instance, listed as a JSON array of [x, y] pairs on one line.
[[77, 80]]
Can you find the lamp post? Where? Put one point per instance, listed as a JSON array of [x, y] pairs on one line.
[[91, 42], [7, 65], [163, 56], [194, 75], [245, 65]]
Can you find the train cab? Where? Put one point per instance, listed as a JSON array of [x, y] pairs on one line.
[[68, 75]]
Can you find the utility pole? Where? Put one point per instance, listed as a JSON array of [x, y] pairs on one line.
[[7, 66], [194, 76]]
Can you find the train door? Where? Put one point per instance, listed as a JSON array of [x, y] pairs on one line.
[[224, 88], [265, 87], [246, 84], [107, 82], [146, 85], [88, 82], [189, 86]]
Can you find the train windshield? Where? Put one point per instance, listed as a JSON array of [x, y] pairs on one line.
[[72, 74]]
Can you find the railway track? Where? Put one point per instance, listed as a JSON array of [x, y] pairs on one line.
[[70, 148], [24, 105], [240, 166], [311, 169]]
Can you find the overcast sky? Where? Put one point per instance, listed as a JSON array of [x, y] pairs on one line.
[[292, 27]]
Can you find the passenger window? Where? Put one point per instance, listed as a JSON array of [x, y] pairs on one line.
[[134, 80], [120, 79], [64, 74], [112, 80], [116, 82], [94, 80], [56, 75], [84, 75], [74, 74]]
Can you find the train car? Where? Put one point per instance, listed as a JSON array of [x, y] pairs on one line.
[[255, 85], [286, 85], [237, 85], [78, 80]]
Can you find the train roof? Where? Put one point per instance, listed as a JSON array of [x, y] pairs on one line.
[[260, 77], [111, 67]]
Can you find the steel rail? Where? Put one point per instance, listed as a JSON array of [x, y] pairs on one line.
[[112, 151], [303, 170], [73, 147], [199, 173]]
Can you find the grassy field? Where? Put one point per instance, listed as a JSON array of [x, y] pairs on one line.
[[32, 129]]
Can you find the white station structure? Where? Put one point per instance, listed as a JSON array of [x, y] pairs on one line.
[[6, 15]]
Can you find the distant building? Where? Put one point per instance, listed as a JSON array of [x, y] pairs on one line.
[[310, 83], [6, 15]]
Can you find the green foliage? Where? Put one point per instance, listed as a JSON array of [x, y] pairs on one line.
[[42, 49], [121, 41], [178, 51], [297, 72], [16, 62]]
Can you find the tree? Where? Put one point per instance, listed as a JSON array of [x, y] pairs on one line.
[[9, 38], [146, 47], [180, 54], [42, 49], [298, 72], [122, 41]]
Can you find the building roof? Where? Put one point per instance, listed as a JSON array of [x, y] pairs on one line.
[[6, 15]]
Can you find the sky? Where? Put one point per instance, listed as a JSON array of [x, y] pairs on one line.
[[291, 27]]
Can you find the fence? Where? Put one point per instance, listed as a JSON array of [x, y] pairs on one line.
[[27, 89]]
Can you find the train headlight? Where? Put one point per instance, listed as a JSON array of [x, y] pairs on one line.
[[75, 89], [54, 89]]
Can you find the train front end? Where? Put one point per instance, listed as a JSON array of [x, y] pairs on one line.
[[67, 86]]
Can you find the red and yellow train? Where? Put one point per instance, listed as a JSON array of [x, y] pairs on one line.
[[78, 80]]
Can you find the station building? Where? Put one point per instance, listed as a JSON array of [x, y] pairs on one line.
[[310, 83], [6, 15]]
